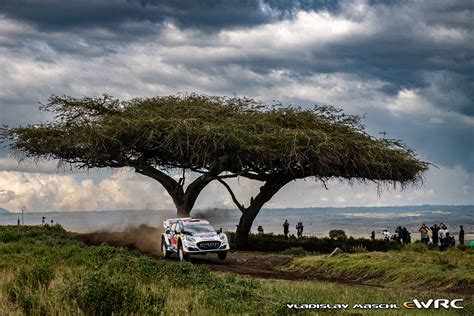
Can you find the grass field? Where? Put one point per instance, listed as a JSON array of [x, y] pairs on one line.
[[414, 267], [43, 270]]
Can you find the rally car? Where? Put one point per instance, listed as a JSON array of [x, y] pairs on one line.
[[190, 236]]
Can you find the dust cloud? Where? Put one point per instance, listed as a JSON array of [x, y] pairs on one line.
[[212, 214], [144, 238]]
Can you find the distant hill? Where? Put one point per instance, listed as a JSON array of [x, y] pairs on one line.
[[2, 211]]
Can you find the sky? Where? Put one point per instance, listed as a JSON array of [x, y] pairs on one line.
[[407, 67]]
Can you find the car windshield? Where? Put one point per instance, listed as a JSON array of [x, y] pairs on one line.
[[199, 228]]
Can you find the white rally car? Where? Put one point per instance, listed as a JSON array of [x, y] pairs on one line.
[[189, 236]]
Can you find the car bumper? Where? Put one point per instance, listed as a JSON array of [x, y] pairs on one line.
[[192, 249]]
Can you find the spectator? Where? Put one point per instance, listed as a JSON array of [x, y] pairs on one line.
[[260, 230], [405, 235], [286, 228], [372, 235], [386, 234], [434, 230], [424, 233], [461, 235], [398, 233], [442, 232]]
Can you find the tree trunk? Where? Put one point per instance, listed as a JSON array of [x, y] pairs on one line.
[[245, 225], [184, 201], [182, 210], [267, 191]]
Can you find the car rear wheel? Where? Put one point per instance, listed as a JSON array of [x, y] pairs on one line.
[[222, 255], [183, 256], [164, 250]]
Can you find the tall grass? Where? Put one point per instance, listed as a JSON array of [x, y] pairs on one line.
[[415, 266], [43, 271]]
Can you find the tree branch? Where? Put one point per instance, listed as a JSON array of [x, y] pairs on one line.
[[234, 198], [170, 184]]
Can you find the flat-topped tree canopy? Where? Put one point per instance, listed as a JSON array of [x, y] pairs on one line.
[[200, 132]]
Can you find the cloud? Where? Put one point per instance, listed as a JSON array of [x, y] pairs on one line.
[[125, 189], [59, 192], [407, 65]]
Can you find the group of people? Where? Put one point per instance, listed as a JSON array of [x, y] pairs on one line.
[[440, 235], [299, 229], [436, 234], [402, 235]]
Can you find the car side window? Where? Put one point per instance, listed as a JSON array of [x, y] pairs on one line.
[[178, 228]]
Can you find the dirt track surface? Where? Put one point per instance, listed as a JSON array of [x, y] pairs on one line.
[[260, 265], [253, 264], [144, 238]]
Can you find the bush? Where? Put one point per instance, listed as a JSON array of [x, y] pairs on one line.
[[338, 234], [278, 243], [230, 294], [23, 289], [295, 251], [40, 274], [104, 293], [359, 249], [416, 247]]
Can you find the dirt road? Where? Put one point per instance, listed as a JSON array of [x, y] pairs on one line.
[[143, 238]]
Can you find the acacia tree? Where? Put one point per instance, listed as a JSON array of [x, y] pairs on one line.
[[150, 135], [321, 143], [218, 138]]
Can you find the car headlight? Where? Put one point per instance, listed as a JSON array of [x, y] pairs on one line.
[[190, 239], [223, 237]]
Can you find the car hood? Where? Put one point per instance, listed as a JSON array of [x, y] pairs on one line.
[[204, 235]]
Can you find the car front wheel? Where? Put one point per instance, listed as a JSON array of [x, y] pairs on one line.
[[164, 250], [183, 256], [222, 255]]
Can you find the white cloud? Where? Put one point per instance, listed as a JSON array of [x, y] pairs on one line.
[[126, 190]]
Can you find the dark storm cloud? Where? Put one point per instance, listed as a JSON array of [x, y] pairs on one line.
[[90, 47], [188, 13]]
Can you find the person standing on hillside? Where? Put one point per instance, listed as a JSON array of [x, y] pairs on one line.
[[461, 235], [299, 229], [442, 232], [405, 235], [424, 233], [435, 230], [372, 235], [386, 235], [398, 233], [286, 228]]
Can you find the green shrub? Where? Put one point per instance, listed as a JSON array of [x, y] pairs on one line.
[[104, 293], [295, 251], [230, 294], [338, 234], [278, 243], [359, 249], [23, 289], [39, 274], [416, 247]]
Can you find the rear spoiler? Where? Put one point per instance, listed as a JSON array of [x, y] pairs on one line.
[[167, 223]]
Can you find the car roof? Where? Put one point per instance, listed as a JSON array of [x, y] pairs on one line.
[[194, 221]]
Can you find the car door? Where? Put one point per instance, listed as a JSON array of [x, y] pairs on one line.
[[174, 237]]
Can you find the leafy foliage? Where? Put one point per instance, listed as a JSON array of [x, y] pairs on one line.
[[201, 132], [298, 246], [337, 234]]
